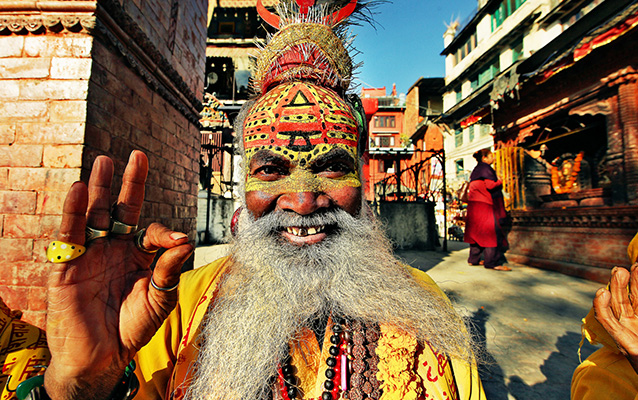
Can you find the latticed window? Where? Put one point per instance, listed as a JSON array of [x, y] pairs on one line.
[[504, 10], [385, 141], [484, 130], [458, 138], [459, 167], [387, 121]]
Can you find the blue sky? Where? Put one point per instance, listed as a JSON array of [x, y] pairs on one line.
[[407, 42]]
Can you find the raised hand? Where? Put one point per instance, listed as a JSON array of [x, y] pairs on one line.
[[102, 307], [617, 311]]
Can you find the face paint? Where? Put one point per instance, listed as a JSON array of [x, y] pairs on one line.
[[303, 180], [300, 121]]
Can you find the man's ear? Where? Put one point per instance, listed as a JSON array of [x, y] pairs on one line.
[[356, 106]]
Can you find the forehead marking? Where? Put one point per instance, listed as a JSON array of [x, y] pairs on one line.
[[299, 118]]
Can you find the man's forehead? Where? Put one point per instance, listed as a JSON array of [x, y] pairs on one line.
[[300, 121], [266, 156]]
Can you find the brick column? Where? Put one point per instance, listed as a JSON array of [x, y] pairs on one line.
[[44, 84], [77, 81]]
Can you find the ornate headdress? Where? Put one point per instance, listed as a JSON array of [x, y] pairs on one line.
[[301, 76], [310, 45]]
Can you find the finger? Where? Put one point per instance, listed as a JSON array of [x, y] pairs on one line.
[[74, 214], [603, 311], [131, 197], [98, 214], [158, 236], [620, 304], [168, 268], [624, 337], [633, 287]]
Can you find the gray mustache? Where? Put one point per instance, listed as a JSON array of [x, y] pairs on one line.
[[278, 220]]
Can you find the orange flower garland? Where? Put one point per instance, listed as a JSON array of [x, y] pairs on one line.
[[396, 352]]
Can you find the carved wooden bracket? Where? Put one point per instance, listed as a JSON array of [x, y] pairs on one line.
[[19, 17]]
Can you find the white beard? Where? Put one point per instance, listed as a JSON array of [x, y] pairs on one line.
[[275, 288]]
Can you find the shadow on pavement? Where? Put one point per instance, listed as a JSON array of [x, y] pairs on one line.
[[558, 368], [490, 372], [425, 260]]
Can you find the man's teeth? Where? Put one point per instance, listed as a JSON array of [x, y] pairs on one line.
[[303, 231]]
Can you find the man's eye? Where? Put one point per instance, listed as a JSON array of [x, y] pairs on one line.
[[270, 172], [338, 168]]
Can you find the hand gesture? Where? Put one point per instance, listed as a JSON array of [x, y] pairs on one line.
[[102, 307], [617, 311]]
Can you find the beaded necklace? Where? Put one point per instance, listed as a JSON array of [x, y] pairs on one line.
[[352, 365]]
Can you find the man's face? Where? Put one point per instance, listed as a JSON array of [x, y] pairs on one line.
[[301, 151]]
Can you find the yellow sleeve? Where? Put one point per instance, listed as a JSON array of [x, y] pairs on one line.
[[156, 360], [605, 375]]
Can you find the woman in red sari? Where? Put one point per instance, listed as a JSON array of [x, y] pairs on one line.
[[485, 210]]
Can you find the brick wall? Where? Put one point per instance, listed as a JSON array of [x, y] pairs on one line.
[[581, 241], [176, 29], [71, 93], [411, 115], [43, 86], [125, 114]]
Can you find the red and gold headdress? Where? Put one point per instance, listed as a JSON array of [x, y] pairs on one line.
[[302, 76], [310, 45]]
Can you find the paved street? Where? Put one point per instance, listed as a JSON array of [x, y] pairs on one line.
[[529, 319]]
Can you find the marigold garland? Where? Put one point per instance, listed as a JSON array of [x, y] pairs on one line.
[[396, 351]]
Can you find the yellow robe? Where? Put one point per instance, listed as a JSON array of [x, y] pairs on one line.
[[23, 351], [606, 374], [164, 364]]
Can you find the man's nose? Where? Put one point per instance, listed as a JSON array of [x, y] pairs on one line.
[[303, 203]]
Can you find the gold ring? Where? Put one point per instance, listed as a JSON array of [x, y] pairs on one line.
[[120, 228], [60, 252], [92, 233]]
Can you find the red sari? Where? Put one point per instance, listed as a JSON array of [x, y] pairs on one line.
[[485, 209]]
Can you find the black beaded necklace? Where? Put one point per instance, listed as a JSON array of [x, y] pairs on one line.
[[337, 362]]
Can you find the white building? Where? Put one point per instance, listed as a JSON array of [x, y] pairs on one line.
[[480, 66]]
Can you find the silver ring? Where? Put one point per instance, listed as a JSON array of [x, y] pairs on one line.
[[161, 289], [120, 228], [92, 233], [139, 242]]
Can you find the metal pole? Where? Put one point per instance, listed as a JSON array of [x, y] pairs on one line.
[[209, 173], [442, 159]]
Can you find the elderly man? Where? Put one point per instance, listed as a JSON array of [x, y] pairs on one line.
[[310, 304]]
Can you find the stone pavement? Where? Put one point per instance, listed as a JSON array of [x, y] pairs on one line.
[[528, 319]]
